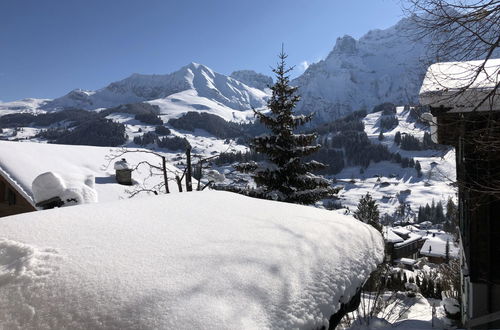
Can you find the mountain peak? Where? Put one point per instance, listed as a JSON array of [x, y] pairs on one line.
[[345, 45], [196, 78], [252, 79]]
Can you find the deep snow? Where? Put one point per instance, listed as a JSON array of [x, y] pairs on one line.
[[22, 162], [201, 260]]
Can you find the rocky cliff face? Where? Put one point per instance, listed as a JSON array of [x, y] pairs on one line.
[[382, 66], [252, 79]]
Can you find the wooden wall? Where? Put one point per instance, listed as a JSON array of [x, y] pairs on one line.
[[11, 202]]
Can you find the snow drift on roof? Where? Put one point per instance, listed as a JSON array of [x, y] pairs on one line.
[[22, 162], [436, 247], [200, 260], [444, 83], [392, 237]]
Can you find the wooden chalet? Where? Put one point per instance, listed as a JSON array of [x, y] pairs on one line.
[[12, 201], [401, 243], [464, 101], [21, 163]]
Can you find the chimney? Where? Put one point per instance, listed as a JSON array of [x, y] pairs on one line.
[[123, 172]]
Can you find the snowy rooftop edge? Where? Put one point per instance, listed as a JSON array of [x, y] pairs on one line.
[[22, 162], [444, 82], [159, 262]]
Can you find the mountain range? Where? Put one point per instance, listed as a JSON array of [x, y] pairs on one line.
[[382, 66]]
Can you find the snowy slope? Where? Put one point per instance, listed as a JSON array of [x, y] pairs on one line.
[[199, 80], [253, 79], [436, 183], [26, 105], [180, 103], [382, 66], [194, 87], [161, 263]]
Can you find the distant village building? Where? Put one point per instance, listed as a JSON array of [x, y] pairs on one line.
[[402, 243], [37, 176], [465, 105], [438, 250]]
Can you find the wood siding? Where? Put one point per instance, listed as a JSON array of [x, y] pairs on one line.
[[11, 202]]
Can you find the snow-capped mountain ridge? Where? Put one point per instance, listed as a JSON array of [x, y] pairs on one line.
[[252, 79], [143, 87], [382, 66]]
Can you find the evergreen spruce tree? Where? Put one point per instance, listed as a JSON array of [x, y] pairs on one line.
[[286, 177], [428, 212], [421, 215], [368, 212], [397, 138], [418, 168], [424, 289], [447, 251], [440, 218], [451, 218], [381, 136]]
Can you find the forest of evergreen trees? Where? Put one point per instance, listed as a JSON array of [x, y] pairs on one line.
[[407, 141], [435, 213], [97, 132], [344, 143]]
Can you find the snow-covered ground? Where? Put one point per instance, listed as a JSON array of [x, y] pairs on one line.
[[22, 162], [399, 312], [178, 104], [202, 143], [387, 182], [397, 184], [231, 262], [29, 105]]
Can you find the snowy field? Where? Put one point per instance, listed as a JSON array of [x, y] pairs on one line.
[[231, 262], [397, 184]]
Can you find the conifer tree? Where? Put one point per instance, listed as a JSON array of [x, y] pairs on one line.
[[397, 138], [447, 251], [451, 218], [286, 177], [418, 168], [368, 212]]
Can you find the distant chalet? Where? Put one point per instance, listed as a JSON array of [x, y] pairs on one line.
[[464, 101], [81, 170]]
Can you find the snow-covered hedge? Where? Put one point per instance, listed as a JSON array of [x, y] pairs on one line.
[[200, 260]]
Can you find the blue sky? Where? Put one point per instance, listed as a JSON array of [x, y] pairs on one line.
[[50, 47]]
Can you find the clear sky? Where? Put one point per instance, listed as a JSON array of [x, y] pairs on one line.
[[50, 47]]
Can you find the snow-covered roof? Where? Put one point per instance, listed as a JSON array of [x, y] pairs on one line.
[[462, 85], [401, 231], [22, 162], [406, 261], [199, 260], [392, 237], [436, 247], [412, 237]]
